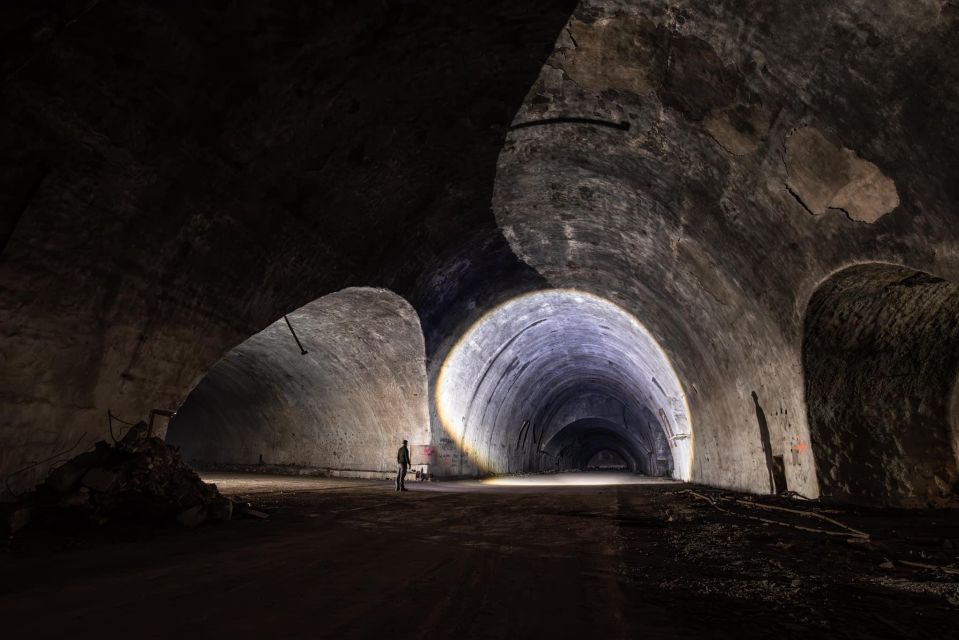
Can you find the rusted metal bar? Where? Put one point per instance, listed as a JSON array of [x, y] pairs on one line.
[[302, 350]]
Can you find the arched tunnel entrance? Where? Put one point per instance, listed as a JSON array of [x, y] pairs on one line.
[[342, 407], [549, 379], [881, 359]]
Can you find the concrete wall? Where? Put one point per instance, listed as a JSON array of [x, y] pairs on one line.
[[175, 177], [706, 165], [346, 405], [881, 355]]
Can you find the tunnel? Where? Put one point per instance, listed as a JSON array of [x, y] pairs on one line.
[[881, 364], [552, 376], [597, 443], [315, 391], [661, 295]]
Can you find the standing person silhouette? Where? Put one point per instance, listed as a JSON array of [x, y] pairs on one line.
[[402, 464]]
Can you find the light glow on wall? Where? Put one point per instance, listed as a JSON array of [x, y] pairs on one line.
[[513, 357]]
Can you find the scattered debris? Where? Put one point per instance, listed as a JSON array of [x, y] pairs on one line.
[[140, 479], [930, 567], [846, 529]]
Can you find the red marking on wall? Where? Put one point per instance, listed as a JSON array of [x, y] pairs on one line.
[[800, 447]]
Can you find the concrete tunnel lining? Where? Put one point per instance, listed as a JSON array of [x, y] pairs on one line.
[[343, 407], [541, 361], [881, 358], [576, 444]]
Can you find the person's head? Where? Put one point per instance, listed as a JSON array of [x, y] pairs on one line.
[[404, 442]]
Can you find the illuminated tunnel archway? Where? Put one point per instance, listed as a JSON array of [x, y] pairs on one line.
[[512, 388]]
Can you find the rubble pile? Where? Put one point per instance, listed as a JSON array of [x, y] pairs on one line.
[[139, 479]]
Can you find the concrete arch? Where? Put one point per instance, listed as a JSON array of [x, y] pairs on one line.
[[341, 408], [542, 361], [607, 459], [880, 359], [572, 447]]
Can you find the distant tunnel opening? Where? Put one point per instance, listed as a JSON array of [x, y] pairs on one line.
[[607, 460], [881, 360], [600, 444], [549, 380], [342, 408]]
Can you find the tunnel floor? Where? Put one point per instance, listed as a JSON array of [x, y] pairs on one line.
[[353, 559]]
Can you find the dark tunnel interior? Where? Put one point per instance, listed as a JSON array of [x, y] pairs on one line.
[[479, 320], [358, 389], [550, 373], [581, 445]]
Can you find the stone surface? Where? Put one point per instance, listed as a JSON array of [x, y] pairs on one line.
[[193, 516], [13, 517], [880, 355], [686, 218], [174, 179], [99, 480], [139, 479], [540, 364]]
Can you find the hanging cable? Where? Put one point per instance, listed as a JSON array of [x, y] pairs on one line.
[[302, 350]]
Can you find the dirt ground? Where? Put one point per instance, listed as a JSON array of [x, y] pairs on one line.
[[353, 559]]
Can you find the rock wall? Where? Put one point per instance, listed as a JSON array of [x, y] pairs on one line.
[[706, 165], [881, 356], [174, 177]]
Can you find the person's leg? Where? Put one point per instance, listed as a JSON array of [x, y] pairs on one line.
[[399, 476], [402, 477]]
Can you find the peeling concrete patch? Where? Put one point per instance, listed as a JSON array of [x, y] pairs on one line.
[[696, 81], [823, 176]]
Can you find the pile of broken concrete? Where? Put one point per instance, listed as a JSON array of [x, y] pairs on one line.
[[139, 479]]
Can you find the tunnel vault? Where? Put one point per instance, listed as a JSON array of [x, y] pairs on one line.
[[546, 378], [881, 360], [341, 407], [177, 176]]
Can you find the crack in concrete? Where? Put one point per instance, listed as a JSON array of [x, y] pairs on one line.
[[798, 199]]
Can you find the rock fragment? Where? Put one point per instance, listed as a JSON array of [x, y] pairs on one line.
[[139, 479], [825, 176]]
